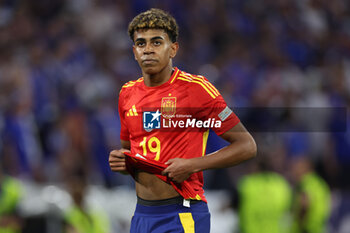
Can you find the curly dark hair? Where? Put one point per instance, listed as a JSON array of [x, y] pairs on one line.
[[155, 19]]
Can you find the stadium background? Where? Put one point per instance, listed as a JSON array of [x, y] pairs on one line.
[[62, 64]]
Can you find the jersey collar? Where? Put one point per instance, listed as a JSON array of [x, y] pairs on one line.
[[171, 80]]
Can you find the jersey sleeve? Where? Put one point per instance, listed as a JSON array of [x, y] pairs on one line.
[[124, 132], [212, 105]]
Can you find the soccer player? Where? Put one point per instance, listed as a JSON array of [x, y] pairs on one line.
[[165, 119], [10, 195], [312, 198], [264, 199], [79, 217]]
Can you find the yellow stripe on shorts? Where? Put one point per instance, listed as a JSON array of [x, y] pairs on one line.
[[187, 222]]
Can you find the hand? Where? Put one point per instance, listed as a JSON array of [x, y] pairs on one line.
[[117, 161], [179, 169]]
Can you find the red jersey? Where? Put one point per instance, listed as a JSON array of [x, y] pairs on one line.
[[173, 120]]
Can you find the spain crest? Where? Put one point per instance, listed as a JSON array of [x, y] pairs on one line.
[[168, 107]]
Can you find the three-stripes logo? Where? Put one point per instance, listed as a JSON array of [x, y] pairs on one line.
[[132, 111]]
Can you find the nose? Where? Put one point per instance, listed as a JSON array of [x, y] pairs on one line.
[[148, 48]]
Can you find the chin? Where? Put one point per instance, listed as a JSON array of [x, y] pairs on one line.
[[151, 70]]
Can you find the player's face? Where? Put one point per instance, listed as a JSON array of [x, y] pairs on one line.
[[153, 49]]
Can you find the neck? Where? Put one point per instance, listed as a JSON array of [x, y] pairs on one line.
[[157, 79]]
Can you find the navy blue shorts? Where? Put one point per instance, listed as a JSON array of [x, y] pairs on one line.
[[173, 218]]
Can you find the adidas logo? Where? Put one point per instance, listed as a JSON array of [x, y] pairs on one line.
[[132, 111]]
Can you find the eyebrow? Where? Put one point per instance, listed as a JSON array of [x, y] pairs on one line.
[[153, 38]]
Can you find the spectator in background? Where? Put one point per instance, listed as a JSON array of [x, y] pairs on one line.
[[20, 129], [10, 194], [264, 199], [80, 218], [312, 201]]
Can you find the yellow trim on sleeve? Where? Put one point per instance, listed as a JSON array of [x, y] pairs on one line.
[[203, 80], [132, 83], [200, 83], [209, 84], [184, 79], [187, 222], [205, 140]]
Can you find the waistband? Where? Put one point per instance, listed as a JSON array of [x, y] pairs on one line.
[[170, 201], [168, 206]]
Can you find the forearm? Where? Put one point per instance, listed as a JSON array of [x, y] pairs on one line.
[[242, 148], [233, 154]]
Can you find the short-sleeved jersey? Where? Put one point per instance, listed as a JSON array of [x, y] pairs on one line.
[[173, 120]]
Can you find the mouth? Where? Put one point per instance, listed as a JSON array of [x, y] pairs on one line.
[[149, 61]]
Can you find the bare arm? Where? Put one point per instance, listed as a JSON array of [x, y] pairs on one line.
[[125, 144], [242, 147], [117, 158]]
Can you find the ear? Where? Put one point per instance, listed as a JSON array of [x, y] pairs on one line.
[[174, 48], [133, 50]]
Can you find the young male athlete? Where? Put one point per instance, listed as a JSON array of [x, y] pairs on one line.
[[165, 120]]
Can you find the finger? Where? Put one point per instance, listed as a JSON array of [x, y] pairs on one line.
[[116, 160], [118, 168], [117, 164], [170, 175], [117, 151], [165, 172], [170, 161], [125, 150], [117, 156]]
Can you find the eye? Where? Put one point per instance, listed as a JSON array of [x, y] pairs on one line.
[[140, 43], [157, 43]]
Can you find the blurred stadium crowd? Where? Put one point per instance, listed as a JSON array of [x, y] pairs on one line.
[[63, 62]]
